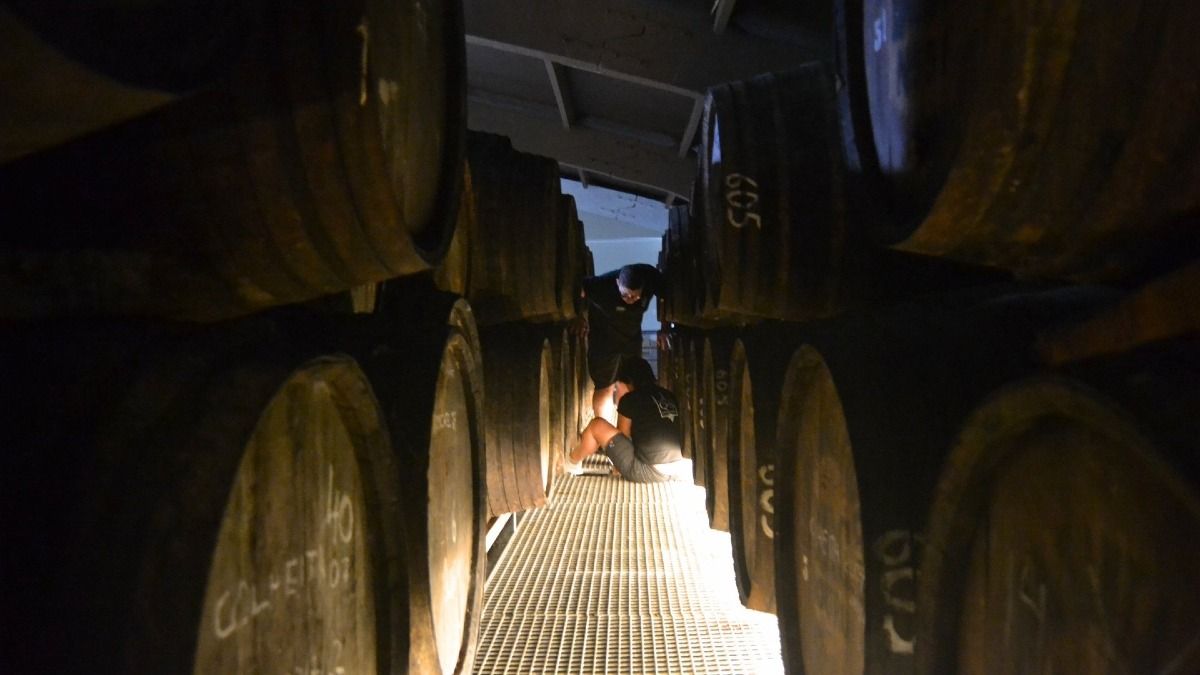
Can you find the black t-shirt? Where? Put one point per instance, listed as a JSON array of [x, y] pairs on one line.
[[656, 432], [613, 326]]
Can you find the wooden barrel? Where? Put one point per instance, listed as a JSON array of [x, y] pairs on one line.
[[1053, 141], [666, 358], [775, 234], [518, 368], [514, 246], [699, 409], [574, 390], [1066, 530], [571, 253], [71, 70], [715, 381], [252, 506], [678, 372], [423, 358], [757, 363], [453, 271], [562, 384], [867, 413], [300, 174], [685, 391], [681, 263], [583, 387], [497, 290], [578, 400], [668, 268]]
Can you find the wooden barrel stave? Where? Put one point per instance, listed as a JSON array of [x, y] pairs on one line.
[[421, 350], [1067, 153], [583, 388], [560, 385], [207, 435], [685, 390], [453, 272], [716, 373], [868, 412], [286, 183], [422, 353], [775, 231], [569, 280], [701, 424], [1075, 497], [757, 366], [518, 215], [518, 368], [116, 61]]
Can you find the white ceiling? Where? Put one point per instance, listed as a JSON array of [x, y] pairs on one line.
[[612, 215], [614, 89]]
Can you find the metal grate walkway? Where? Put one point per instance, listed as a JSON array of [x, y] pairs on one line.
[[617, 577]]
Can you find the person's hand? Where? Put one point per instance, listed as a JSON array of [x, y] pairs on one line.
[[579, 326], [664, 341]]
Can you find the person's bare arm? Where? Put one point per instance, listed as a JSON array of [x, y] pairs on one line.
[[625, 425]]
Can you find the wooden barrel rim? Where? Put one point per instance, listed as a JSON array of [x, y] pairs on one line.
[[455, 513], [991, 441], [329, 157], [717, 392], [432, 241], [545, 388], [517, 363], [821, 568], [1047, 142], [769, 152], [701, 425], [743, 525], [255, 591]]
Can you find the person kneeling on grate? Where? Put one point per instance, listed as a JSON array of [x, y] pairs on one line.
[[645, 445]]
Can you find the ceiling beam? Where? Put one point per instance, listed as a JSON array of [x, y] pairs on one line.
[[616, 183], [689, 132], [632, 40], [562, 92], [721, 11], [599, 153]]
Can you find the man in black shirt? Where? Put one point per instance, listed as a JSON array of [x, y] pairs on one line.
[[613, 306], [645, 445]]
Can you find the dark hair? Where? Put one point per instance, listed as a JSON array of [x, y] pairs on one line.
[[632, 277], [636, 371]]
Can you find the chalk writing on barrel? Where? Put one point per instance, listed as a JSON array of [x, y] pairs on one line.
[[766, 499], [898, 585], [741, 201], [320, 567]]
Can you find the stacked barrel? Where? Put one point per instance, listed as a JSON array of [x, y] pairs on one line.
[[281, 338], [279, 343], [941, 293]]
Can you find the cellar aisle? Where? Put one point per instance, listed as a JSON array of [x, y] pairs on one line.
[[618, 577]]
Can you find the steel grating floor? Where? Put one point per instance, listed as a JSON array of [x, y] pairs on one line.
[[618, 577]]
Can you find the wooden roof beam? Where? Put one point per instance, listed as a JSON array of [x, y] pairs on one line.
[[721, 11], [592, 147], [562, 92], [631, 40]]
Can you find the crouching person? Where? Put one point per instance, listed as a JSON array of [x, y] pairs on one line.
[[645, 444]]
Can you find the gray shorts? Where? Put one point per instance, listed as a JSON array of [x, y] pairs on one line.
[[621, 451]]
